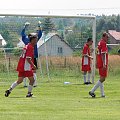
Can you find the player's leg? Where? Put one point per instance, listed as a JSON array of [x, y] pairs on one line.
[[30, 86], [84, 76], [102, 79], [20, 80], [25, 82], [89, 77], [84, 69], [34, 72], [35, 78], [94, 88], [102, 74], [31, 82], [91, 92]]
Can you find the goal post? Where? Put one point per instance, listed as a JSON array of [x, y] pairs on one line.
[[56, 14]]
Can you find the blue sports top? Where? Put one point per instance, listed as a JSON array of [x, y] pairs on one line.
[[26, 40]]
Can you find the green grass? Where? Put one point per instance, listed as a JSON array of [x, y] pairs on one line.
[[55, 101]]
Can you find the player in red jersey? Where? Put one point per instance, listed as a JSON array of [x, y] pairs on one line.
[[86, 60], [25, 66], [102, 64]]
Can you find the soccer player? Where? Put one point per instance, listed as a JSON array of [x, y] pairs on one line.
[[86, 60], [25, 66], [26, 40], [102, 64]]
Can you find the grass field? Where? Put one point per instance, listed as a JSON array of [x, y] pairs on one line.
[[56, 101]]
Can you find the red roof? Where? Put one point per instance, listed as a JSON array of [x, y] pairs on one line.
[[114, 34]]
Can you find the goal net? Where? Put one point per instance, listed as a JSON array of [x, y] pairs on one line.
[[59, 49]]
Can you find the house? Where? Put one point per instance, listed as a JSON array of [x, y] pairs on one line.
[[2, 41], [114, 36], [53, 45]]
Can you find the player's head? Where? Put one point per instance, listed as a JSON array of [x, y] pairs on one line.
[[33, 38], [105, 36], [89, 41]]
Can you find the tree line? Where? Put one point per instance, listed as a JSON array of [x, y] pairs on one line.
[[74, 31]]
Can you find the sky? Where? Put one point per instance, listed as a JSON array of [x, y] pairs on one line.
[[84, 6]]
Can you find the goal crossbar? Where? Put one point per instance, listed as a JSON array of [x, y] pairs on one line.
[[44, 13]]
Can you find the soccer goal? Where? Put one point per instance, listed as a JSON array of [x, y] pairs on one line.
[[59, 50]]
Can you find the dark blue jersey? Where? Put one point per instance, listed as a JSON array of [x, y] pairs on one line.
[[26, 40]]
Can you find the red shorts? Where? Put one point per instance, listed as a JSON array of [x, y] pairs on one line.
[[25, 74], [86, 68], [103, 72]]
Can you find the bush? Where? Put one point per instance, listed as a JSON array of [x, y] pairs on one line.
[[114, 50]]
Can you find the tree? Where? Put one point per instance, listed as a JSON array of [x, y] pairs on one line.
[[48, 25], [9, 45], [5, 35], [118, 23], [60, 25]]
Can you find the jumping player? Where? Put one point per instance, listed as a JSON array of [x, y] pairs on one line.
[[26, 40], [26, 66]]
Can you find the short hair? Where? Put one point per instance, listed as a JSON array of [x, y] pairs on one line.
[[89, 39], [104, 34], [32, 36]]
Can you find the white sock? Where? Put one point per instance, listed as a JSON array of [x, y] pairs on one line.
[[13, 86], [35, 78], [84, 77], [30, 88], [96, 86], [102, 89], [24, 81], [89, 74]]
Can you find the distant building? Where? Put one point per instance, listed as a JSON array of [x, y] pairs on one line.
[[54, 45], [2, 41], [114, 36]]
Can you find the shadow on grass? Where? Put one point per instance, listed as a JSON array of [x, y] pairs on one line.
[[22, 97], [94, 97]]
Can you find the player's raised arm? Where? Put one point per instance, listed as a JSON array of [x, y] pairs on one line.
[[39, 30], [25, 38]]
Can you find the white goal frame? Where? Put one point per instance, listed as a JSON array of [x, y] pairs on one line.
[[56, 14]]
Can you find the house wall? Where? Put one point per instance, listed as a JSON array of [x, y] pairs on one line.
[[52, 47]]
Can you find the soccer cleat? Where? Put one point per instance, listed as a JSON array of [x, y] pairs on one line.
[[89, 83], [92, 94], [86, 83], [25, 86], [29, 95], [103, 96], [7, 92]]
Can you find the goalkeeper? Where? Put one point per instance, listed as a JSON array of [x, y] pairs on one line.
[[26, 40]]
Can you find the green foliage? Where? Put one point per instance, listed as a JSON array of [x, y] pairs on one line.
[[114, 50], [17, 52], [77, 53], [11, 26], [48, 25], [111, 22], [9, 44]]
